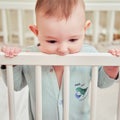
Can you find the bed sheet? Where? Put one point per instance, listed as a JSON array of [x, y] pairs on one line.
[[21, 103]]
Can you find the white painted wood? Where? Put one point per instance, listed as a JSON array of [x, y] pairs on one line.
[[4, 26], [66, 92], [94, 92], [91, 59], [38, 90], [34, 21], [102, 6], [17, 5], [90, 6], [20, 27], [118, 107], [96, 17], [27, 58], [10, 85], [110, 25]]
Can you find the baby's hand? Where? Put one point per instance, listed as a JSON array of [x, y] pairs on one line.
[[10, 51], [113, 71], [115, 52]]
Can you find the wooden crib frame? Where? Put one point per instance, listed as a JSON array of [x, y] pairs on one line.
[[40, 59]]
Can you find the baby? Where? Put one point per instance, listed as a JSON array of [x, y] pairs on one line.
[[60, 28]]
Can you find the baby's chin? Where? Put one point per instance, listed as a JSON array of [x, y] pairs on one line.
[[60, 53]]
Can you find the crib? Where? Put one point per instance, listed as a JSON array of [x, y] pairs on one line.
[[42, 59], [21, 34]]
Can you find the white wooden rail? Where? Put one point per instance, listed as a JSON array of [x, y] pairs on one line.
[[96, 7], [40, 59]]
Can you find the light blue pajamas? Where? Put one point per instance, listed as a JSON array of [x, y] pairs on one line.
[[52, 96]]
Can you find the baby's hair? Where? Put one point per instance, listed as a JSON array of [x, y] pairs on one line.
[[58, 8]]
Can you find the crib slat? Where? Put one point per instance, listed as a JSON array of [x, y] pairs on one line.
[[38, 90], [110, 25], [34, 21], [66, 92], [94, 92], [20, 29], [4, 26], [118, 107], [10, 85], [96, 16]]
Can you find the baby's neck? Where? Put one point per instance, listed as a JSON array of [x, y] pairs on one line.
[[58, 68]]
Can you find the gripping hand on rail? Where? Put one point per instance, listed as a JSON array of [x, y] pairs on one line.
[[11, 51], [113, 71]]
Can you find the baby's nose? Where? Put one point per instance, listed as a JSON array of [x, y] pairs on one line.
[[63, 50]]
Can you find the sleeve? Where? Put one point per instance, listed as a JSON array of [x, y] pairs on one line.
[[18, 72], [18, 77], [104, 80]]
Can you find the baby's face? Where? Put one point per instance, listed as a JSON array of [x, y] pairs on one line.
[[61, 37]]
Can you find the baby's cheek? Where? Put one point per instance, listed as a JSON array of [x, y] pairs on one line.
[[41, 48], [75, 50], [45, 50]]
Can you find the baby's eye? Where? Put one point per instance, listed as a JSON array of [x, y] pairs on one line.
[[51, 41], [73, 40]]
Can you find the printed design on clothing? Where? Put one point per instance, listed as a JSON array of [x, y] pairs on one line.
[[80, 92]]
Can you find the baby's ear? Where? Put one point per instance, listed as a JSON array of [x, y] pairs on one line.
[[87, 24], [34, 29]]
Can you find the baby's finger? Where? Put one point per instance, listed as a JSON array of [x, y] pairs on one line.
[[112, 51], [17, 51], [118, 52], [115, 52], [8, 52], [11, 52], [3, 49]]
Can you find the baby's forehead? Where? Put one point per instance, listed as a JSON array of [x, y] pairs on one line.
[[76, 18], [78, 10]]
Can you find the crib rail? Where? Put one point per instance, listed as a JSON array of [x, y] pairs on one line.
[[40, 59], [90, 6], [21, 7], [75, 59]]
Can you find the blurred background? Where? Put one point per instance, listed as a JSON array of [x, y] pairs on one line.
[[103, 33]]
